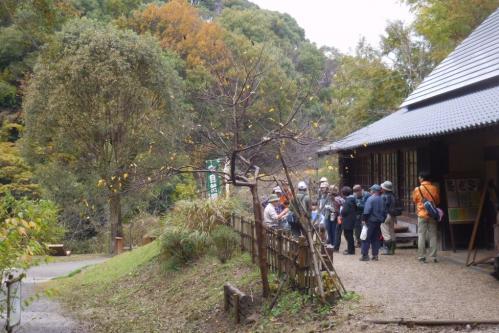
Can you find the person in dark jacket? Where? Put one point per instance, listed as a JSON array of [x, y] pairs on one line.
[[374, 215], [360, 200], [348, 215]]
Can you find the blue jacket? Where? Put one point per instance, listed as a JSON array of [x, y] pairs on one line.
[[375, 209]]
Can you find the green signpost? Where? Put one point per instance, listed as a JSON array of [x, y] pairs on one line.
[[213, 180]]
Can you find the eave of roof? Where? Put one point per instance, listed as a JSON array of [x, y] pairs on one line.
[[474, 110], [476, 59]]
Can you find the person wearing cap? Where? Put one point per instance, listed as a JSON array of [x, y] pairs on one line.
[[374, 214], [360, 201], [283, 200], [270, 215], [427, 225], [323, 193], [388, 227], [304, 200]]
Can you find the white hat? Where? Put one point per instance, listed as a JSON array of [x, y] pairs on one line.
[[277, 189], [302, 185], [324, 184], [323, 179]]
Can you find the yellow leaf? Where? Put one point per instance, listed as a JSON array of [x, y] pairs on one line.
[[271, 110], [125, 176], [22, 231]]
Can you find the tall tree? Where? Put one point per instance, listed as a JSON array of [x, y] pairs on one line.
[[408, 53], [98, 103], [364, 89], [445, 23]]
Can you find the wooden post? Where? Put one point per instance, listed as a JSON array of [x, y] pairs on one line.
[[237, 312], [261, 242], [253, 253], [226, 297], [243, 234], [330, 252], [471, 245], [279, 251], [118, 245], [302, 257]]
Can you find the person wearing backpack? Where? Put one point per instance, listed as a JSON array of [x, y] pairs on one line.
[[348, 215], [426, 197], [393, 210]]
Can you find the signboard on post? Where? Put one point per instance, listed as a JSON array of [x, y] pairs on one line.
[[213, 180], [463, 199]]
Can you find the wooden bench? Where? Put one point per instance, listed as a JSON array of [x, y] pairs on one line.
[[236, 300], [58, 250]]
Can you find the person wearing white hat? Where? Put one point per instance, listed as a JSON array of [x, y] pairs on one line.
[[270, 215], [388, 227]]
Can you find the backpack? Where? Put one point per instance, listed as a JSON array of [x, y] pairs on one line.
[[429, 205], [396, 207]]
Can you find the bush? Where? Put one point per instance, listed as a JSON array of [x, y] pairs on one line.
[[7, 94], [180, 246], [226, 241], [202, 215]]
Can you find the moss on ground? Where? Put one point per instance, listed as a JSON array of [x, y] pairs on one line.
[[132, 293]]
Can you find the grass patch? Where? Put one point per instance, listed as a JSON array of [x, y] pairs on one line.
[[132, 293]]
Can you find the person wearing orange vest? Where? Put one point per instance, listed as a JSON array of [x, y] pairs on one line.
[[427, 226]]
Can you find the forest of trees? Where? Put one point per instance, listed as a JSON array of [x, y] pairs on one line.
[[101, 99]]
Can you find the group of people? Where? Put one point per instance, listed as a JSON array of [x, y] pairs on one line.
[[366, 219]]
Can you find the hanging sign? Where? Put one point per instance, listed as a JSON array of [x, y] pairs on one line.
[[213, 180], [463, 199]]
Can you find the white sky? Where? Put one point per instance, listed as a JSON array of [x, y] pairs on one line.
[[341, 23]]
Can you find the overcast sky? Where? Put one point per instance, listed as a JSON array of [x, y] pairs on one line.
[[340, 23]]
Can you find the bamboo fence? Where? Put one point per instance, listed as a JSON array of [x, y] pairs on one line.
[[286, 254]]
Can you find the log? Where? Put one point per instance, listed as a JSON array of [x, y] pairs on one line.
[[435, 322]]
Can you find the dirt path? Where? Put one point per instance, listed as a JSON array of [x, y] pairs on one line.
[[401, 287], [46, 315]]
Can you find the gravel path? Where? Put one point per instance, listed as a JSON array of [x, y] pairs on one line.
[[401, 287], [46, 315]]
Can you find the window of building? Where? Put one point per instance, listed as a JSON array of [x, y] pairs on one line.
[[408, 179]]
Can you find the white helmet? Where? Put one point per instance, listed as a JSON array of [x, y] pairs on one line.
[[277, 189], [302, 185], [323, 180], [324, 184]]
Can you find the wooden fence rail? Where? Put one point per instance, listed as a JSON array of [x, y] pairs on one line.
[[286, 254]]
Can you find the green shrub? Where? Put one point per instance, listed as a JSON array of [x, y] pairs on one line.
[[7, 94], [180, 246], [202, 215], [226, 241]]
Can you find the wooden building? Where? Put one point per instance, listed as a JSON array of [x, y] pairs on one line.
[[448, 126]]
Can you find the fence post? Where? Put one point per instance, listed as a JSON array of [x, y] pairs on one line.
[[233, 220], [253, 254], [243, 234], [302, 258], [279, 251]]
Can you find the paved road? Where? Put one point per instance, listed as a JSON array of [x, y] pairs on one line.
[[45, 315]]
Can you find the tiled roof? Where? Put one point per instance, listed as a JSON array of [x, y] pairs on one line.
[[474, 110], [476, 59]]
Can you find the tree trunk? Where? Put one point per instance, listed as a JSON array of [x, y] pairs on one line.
[[260, 242], [115, 219]]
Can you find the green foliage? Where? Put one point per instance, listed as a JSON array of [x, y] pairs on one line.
[[351, 296], [445, 23], [102, 105], [186, 189], [15, 175], [7, 94], [180, 246], [364, 90], [226, 242], [201, 215], [26, 226]]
